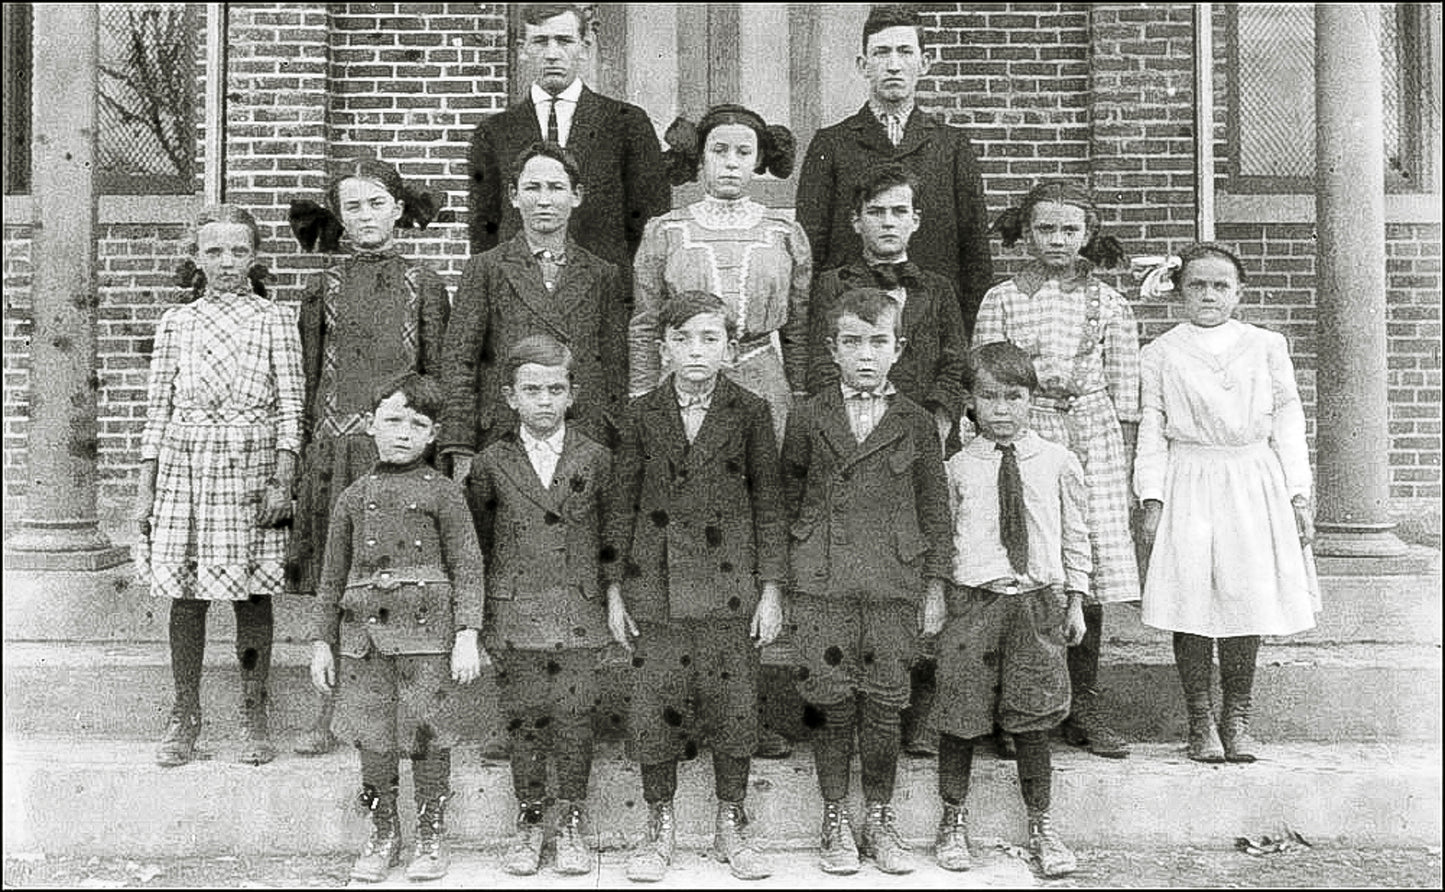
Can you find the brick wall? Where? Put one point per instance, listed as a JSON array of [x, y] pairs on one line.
[[1101, 92]]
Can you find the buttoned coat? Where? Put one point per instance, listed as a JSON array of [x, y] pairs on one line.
[[623, 179], [702, 522], [547, 564], [952, 238], [501, 299], [930, 371], [403, 571], [867, 520]]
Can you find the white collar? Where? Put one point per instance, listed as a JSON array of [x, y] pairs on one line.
[[553, 443], [886, 390], [572, 93], [1025, 444]]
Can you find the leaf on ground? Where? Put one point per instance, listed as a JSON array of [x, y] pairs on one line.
[[1014, 851], [1268, 845], [146, 873]]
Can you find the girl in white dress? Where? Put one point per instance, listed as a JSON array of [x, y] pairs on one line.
[[1223, 473]]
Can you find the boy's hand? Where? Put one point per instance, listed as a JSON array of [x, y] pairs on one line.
[[935, 609], [461, 466], [323, 667], [1149, 522], [466, 657], [1304, 520], [275, 504], [621, 626], [1074, 627], [945, 424], [768, 618]]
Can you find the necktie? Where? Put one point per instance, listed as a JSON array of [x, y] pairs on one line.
[[894, 123], [551, 264], [863, 411], [1012, 526], [892, 275], [552, 132]]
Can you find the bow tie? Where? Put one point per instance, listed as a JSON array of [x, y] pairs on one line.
[[891, 275], [375, 256], [549, 257]]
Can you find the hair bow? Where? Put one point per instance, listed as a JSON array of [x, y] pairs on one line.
[[1154, 274]]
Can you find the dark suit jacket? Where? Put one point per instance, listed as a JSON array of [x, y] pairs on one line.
[[623, 179], [702, 523], [953, 237], [545, 558], [930, 371], [501, 299], [868, 520]]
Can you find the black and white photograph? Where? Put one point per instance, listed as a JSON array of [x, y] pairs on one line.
[[722, 445]]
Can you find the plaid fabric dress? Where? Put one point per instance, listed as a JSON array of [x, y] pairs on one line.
[[1084, 343], [224, 395]]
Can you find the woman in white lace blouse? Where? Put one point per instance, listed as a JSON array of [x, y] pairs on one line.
[[754, 257]]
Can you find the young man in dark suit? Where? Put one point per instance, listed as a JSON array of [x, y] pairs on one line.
[[891, 128], [706, 556], [871, 551], [540, 281], [614, 142]]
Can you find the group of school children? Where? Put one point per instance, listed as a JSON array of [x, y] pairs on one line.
[[696, 540], [501, 503]]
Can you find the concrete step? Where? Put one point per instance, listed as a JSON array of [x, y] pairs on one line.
[[111, 605], [67, 796], [1303, 692]]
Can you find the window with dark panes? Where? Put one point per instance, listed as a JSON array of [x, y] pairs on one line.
[[17, 31]]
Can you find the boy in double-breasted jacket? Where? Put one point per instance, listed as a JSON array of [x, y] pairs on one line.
[[540, 496], [401, 589], [871, 548], [697, 469]]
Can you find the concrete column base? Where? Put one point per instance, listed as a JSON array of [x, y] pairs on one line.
[[62, 545], [1367, 550]]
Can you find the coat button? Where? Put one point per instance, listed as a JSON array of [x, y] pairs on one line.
[[371, 619], [418, 543], [370, 543], [371, 506]]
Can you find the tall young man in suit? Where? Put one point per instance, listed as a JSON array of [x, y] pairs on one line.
[[614, 143], [891, 128]]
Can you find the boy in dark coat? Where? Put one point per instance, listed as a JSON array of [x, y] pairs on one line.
[[539, 281], [539, 496], [697, 473], [402, 587], [890, 128], [871, 551], [930, 370]]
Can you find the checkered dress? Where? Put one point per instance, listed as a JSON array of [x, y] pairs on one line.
[[224, 395], [1084, 343]]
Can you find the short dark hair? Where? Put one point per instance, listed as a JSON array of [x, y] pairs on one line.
[[891, 15], [538, 349], [537, 13], [876, 180], [868, 304], [551, 150], [423, 393], [679, 308], [1005, 362], [1199, 251]]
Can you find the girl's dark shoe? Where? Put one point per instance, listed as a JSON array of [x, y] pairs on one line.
[[178, 746]]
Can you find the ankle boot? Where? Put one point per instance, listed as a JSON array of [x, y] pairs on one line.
[[652, 859], [432, 857], [573, 856], [318, 739], [1085, 727], [178, 746], [1053, 856], [1236, 679], [883, 843], [256, 746], [382, 851], [1193, 658], [731, 843], [951, 850], [524, 857], [839, 852]]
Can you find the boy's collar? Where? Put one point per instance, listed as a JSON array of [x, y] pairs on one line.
[[386, 467], [981, 446]]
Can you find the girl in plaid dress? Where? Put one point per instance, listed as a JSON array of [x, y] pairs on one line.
[[364, 319], [218, 454], [1084, 343]]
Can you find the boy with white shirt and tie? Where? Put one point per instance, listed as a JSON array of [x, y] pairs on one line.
[[1020, 573], [539, 497]]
